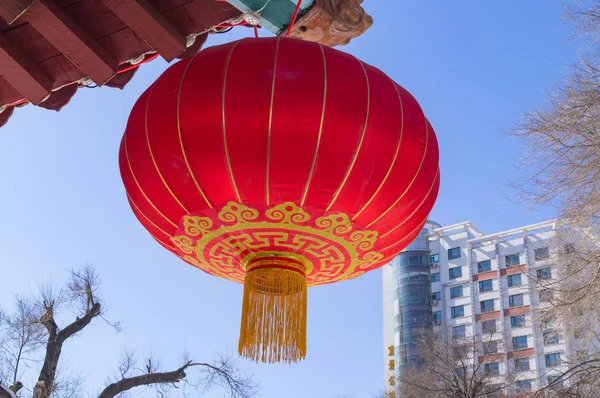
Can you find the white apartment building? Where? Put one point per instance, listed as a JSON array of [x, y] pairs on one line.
[[478, 285]]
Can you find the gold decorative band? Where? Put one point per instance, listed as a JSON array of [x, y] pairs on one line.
[[276, 262]]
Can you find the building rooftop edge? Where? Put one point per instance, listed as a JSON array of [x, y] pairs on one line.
[[480, 237], [466, 225], [520, 230]]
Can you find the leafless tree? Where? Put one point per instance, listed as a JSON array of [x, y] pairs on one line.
[[561, 168], [562, 138], [459, 367], [567, 308], [31, 340]]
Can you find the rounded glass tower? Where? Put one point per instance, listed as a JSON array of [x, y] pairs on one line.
[[413, 294]]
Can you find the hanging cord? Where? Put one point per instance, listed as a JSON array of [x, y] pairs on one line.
[[293, 20], [246, 19], [263, 7], [150, 57], [123, 68]]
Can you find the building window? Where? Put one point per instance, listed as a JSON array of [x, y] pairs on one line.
[[489, 326], [413, 259], [456, 291], [458, 331], [555, 382], [436, 296], [569, 248], [524, 385], [486, 286], [491, 347], [543, 274], [514, 280], [517, 321], [512, 259], [546, 295], [516, 300], [435, 258], [457, 312], [519, 343], [487, 305], [552, 360], [492, 368], [454, 253], [461, 352], [522, 364], [455, 272], [542, 253], [550, 337], [484, 266], [416, 298], [437, 317], [414, 279], [435, 277]]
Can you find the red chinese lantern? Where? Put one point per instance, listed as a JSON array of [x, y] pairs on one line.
[[280, 164]]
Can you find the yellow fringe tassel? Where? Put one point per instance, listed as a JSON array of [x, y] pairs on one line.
[[274, 316]]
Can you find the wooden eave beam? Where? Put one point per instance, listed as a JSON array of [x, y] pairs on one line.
[[23, 73], [150, 25], [11, 10], [70, 39]]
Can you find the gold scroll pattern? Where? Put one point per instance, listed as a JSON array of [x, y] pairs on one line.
[[331, 248]]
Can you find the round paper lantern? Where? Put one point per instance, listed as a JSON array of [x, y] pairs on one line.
[[280, 164]]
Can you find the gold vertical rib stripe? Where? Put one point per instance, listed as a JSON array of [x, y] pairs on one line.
[[395, 154], [362, 137], [185, 159], [237, 194], [314, 162], [268, 166], [165, 246], [419, 226], [152, 155], [414, 178], [418, 207], [145, 216], [138, 184], [168, 247]]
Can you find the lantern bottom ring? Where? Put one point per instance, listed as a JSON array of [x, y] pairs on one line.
[[273, 327]]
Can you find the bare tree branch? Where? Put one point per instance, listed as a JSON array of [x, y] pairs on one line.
[[561, 168], [455, 367], [32, 332], [5, 393], [220, 373], [126, 384], [82, 289]]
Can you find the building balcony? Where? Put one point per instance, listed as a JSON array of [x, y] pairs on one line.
[[485, 275], [498, 357], [525, 352], [515, 269], [517, 310], [488, 315]]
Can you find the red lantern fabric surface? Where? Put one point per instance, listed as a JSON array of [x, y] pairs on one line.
[[275, 136]]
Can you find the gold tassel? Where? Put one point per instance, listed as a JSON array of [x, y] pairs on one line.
[[273, 325]]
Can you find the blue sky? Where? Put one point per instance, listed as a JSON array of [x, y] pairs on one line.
[[475, 67]]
